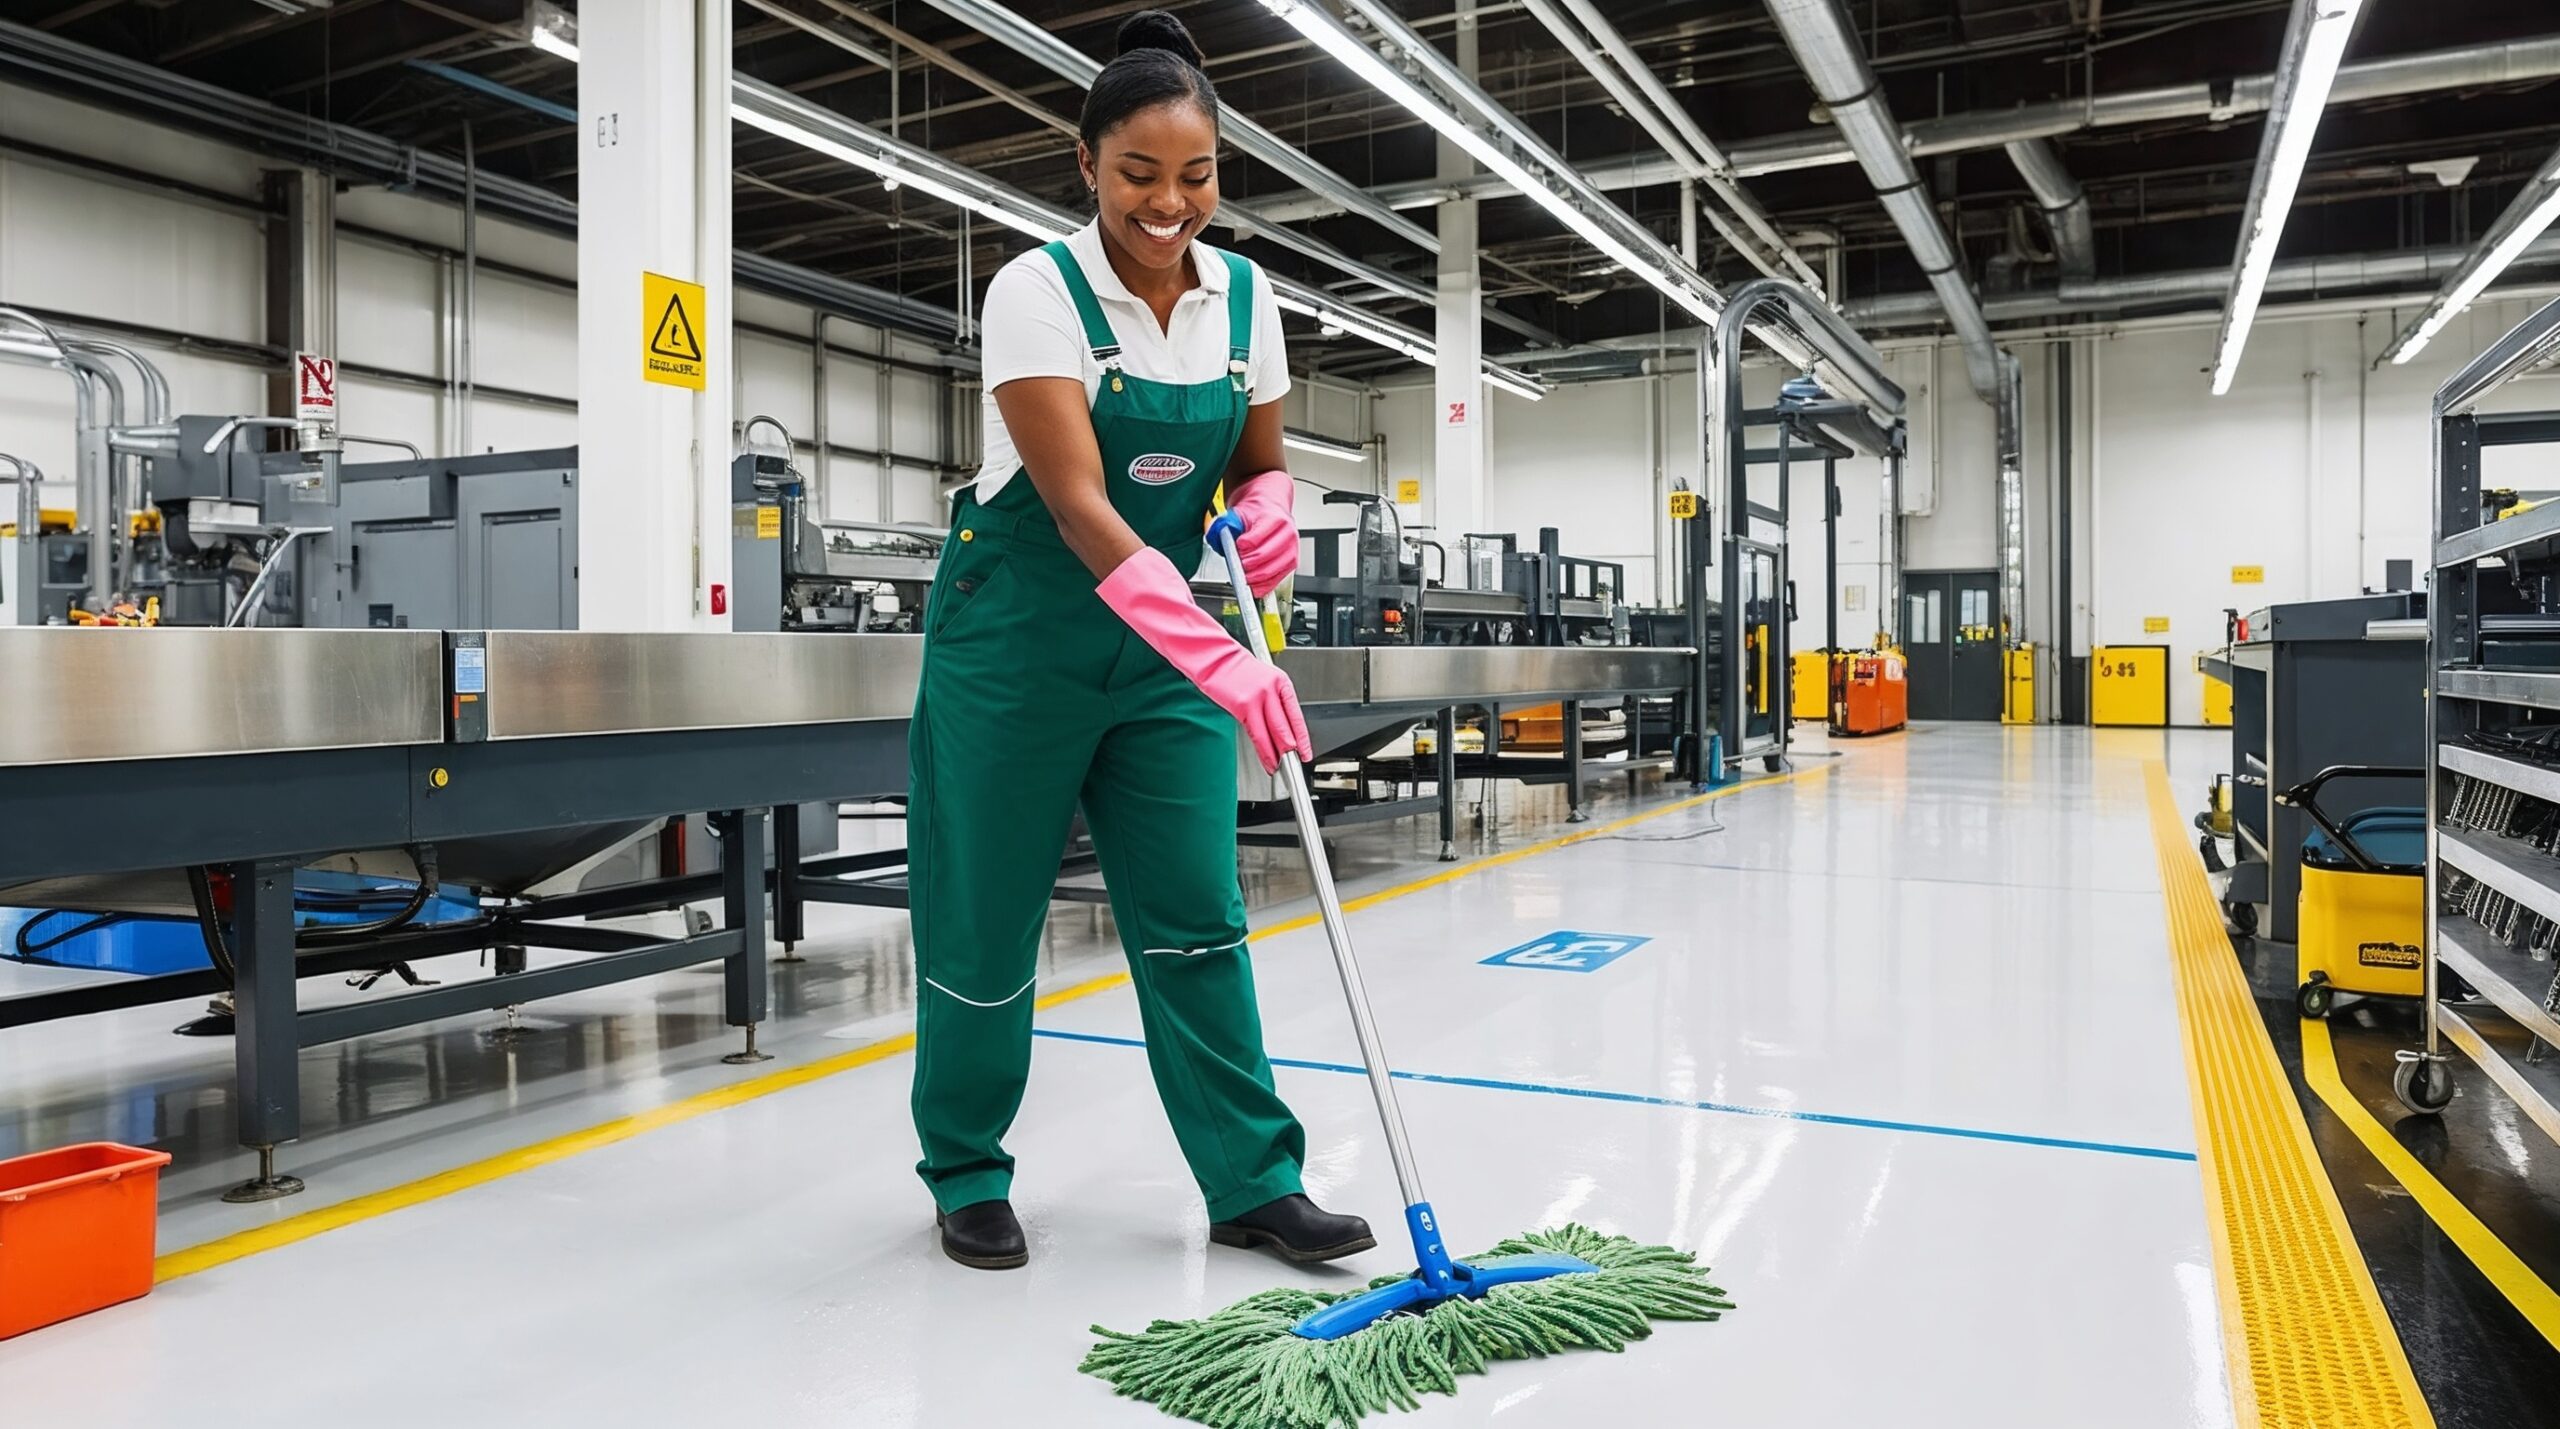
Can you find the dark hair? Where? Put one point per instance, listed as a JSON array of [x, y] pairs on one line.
[[1158, 64]]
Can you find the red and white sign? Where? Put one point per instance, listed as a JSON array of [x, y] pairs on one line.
[[1457, 414], [315, 382]]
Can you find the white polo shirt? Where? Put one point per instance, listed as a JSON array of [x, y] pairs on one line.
[[1032, 330]]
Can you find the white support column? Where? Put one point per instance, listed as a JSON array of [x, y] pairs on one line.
[[1458, 466], [653, 197]]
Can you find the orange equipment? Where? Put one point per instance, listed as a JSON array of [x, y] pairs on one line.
[[1872, 694]]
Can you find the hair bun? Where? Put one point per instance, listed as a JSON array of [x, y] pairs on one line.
[[1156, 30]]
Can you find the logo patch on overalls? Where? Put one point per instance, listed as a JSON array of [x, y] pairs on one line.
[[1159, 469]]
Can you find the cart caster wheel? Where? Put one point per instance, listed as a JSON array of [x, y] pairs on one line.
[[2423, 1085], [2316, 997], [2210, 852], [2244, 918]]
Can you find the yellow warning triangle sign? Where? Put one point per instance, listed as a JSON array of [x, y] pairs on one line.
[[674, 337]]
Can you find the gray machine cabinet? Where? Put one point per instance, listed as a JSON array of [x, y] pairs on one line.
[[487, 542], [2317, 688]]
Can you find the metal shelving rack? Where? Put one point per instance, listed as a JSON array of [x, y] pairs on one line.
[[2482, 684]]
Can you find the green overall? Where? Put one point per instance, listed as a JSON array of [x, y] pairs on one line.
[[1037, 698]]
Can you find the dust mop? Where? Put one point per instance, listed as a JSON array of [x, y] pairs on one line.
[[1307, 1359]]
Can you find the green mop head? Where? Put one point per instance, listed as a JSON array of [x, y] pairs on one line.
[[1245, 1368]]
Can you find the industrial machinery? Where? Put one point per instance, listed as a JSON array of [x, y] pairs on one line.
[[1364, 584], [790, 570]]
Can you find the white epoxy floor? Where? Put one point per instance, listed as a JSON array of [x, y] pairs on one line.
[[1900, 1060]]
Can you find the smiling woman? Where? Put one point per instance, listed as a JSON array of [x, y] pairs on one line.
[[1133, 376]]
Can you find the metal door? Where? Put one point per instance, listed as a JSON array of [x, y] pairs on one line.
[[1975, 676], [1951, 632]]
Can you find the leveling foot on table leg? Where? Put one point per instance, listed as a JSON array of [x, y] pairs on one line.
[[750, 1055], [1577, 817], [268, 1186], [1448, 852], [513, 1032], [790, 954]]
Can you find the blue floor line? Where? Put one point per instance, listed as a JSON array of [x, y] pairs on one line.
[[2155, 1153]]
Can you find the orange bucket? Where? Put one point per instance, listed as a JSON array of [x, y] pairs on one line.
[[78, 1226]]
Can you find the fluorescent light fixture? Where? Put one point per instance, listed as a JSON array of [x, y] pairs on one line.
[[1504, 380], [2316, 42], [550, 29], [2539, 206], [552, 42], [894, 173], [1329, 35], [1323, 446]]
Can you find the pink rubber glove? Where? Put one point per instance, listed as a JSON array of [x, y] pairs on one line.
[[1153, 598], [1269, 544]]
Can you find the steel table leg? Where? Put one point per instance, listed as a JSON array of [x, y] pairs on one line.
[[1573, 763], [266, 1047], [789, 911], [742, 894], [1448, 774]]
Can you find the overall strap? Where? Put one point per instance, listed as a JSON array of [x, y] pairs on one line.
[[1097, 328], [1239, 321]]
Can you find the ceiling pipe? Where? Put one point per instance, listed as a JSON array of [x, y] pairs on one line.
[[2299, 275], [2065, 205], [2468, 67], [1826, 47]]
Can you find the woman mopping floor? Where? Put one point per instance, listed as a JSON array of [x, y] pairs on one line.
[[1133, 373]]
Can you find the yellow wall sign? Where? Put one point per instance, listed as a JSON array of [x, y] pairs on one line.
[[1684, 505], [2155, 625], [768, 523], [1408, 492], [2248, 575], [671, 314]]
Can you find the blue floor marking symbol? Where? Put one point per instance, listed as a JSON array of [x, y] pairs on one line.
[[1568, 952]]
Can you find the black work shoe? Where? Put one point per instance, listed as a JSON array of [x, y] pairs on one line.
[[1297, 1229], [984, 1236]]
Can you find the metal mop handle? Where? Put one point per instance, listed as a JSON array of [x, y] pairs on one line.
[[1294, 774]]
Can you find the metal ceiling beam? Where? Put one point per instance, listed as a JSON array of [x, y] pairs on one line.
[[2434, 71], [1078, 68], [1641, 93]]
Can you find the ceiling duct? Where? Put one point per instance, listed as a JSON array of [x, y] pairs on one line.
[[2065, 205], [1827, 48]]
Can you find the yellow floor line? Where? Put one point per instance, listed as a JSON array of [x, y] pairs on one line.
[[292, 1229], [2307, 1339], [2531, 1296]]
